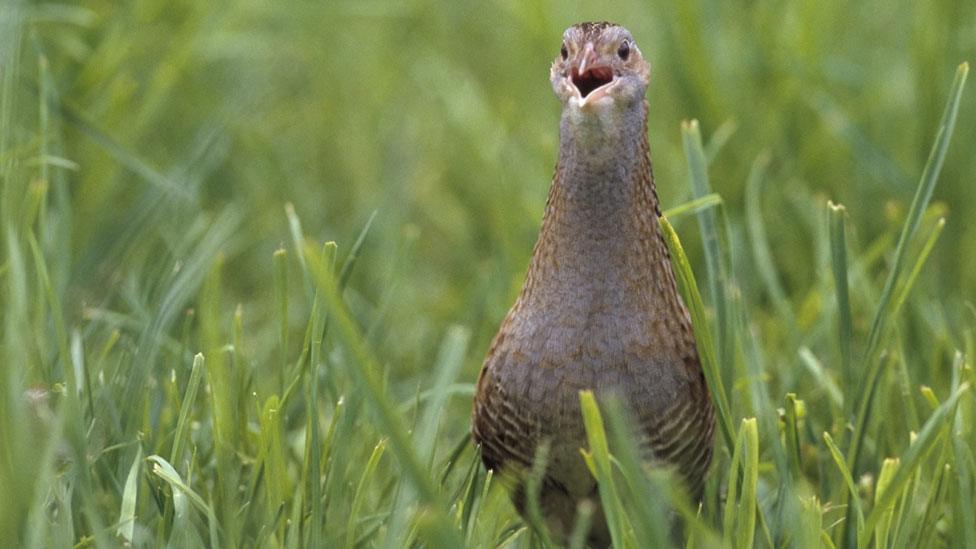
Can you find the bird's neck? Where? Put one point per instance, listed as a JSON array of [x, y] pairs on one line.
[[601, 215]]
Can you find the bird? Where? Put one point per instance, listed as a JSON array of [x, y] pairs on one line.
[[599, 309]]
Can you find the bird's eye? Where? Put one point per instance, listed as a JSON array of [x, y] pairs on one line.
[[564, 52], [624, 50]]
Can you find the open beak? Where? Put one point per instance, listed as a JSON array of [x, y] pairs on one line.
[[587, 74]]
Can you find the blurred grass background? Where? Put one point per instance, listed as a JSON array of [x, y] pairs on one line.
[[148, 150]]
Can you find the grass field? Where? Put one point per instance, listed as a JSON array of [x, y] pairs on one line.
[[253, 254]]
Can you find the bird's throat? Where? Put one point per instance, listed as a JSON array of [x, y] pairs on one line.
[[600, 260], [602, 199]]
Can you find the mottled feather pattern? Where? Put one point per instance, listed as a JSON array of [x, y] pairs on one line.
[[598, 311]]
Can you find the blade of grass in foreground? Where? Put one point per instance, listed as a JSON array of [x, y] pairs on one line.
[[189, 398], [838, 255], [181, 494], [364, 370], [357, 500], [930, 176], [533, 489], [883, 315], [600, 453], [691, 137], [281, 296], [845, 474], [693, 206], [706, 348], [649, 513], [965, 465], [313, 448], [910, 461], [740, 510], [917, 268], [450, 358], [127, 515], [276, 483], [883, 529]]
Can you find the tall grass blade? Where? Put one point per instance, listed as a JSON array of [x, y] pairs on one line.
[[281, 296], [584, 520], [930, 176], [838, 255], [910, 461], [819, 373], [130, 495], [277, 484], [965, 472], [739, 521], [706, 347], [649, 513], [792, 435], [883, 528], [599, 450], [353, 255], [882, 315], [693, 206], [715, 266], [182, 495], [450, 358], [364, 371], [923, 255], [533, 491], [186, 408], [360, 494]]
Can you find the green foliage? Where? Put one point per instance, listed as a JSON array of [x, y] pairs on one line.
[[165, 169]]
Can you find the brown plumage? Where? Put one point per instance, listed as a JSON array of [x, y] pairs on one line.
[[599, 309]]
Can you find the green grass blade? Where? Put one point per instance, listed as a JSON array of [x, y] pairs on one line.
[[189, 399], [719, 139], [845, 474], [792, 435], [819, 373], [706, 348], [739, 521], [123, 155], [761, 250], [584, 519], [357, 500], [165, 471], [911, 460], [930, 176], [599, 449], [312, 470], [353, 255], [298, 241], [714, 265], [276, 483], [863, 416], [450, 358], [130, 495], [693, 206], [649, 514], [923, 255], [363, 368], [965, 468], [533, 491], [838, 255], [281, 297], [883, 528]]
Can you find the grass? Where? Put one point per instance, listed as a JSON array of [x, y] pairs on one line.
[[253, 255]]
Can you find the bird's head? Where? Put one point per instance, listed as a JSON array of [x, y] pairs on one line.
[[599, 67]]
